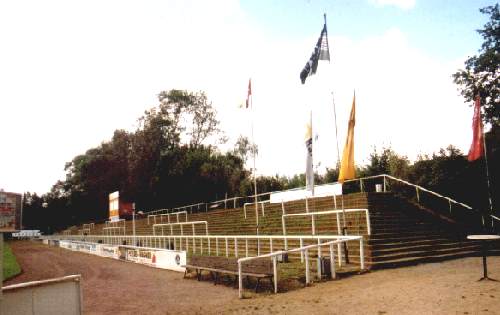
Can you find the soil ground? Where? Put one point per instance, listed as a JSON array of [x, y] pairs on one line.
[[116, 287]]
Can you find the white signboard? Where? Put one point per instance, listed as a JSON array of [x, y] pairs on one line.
[[114, 206], [110, 251], [161, 258], [171, 259], [319, 191]]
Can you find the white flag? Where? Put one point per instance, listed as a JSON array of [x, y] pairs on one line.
[[309, 159]]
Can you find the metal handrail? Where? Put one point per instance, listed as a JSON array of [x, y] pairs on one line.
[[337, 212], [304, 252], [413, 185]]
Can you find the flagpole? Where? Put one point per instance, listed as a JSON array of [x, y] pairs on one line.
[[488, 178], [254, 173], [336, 132]]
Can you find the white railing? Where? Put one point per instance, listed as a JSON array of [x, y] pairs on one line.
[[181, 224], [253, 203], [88, 226], [304, 250], [114, 223], [114, 230], [84, 231], [222, 242], [161, 216], [336, 212]]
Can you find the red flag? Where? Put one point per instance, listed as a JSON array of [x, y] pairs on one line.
[[476, 149], [249, 91]]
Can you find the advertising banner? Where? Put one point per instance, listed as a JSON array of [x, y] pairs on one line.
[[171, 259], [10, 211], [110, 251], [114, 206], [161, 258]]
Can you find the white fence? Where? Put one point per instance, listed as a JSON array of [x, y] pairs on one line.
[[167, 215], [336, 212], [220, 245], [46, 297], [181, 224]]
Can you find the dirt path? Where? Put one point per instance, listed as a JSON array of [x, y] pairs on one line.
[[115, 287]]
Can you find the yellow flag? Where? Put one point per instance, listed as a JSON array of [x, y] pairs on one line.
[[347, 164]]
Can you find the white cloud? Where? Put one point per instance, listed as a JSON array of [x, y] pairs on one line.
[[402, 4], [70, 80]]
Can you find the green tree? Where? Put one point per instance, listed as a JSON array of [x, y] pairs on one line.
[[481, 73], [386, 162], [189, 114]]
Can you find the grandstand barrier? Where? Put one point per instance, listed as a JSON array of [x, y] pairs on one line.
[[153, 257], [84, 231], [114, 230], [52, 296], [222, 242], [304, 252], [181, 224], [88, 225], [161, 216], [253, 203]]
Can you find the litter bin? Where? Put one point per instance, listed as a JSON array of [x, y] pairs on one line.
[[324, 264]]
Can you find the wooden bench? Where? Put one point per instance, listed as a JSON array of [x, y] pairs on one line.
[[257, 268]]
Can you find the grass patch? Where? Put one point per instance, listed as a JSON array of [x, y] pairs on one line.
[[10, 266]]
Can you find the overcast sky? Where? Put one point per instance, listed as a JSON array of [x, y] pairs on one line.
[[72, 72]]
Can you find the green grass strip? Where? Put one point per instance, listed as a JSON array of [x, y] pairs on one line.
[[10, 266]]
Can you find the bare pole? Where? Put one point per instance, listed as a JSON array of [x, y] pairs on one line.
[[254, 171], [488, 178], [336, 132]]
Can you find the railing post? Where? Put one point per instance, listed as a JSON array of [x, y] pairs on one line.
[[361, 253], [332, 262], [306, 254], [319, 259], [236, 247], [385, 189], [307, 205], [270, 245], [313, 223], [284, 231], [449, 201], [339, 229], [216, 246], [361, 185], [418, 194], [258, 246], [301, 252], [275, 275], [240, 281], [227, 248], [283, 208]]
